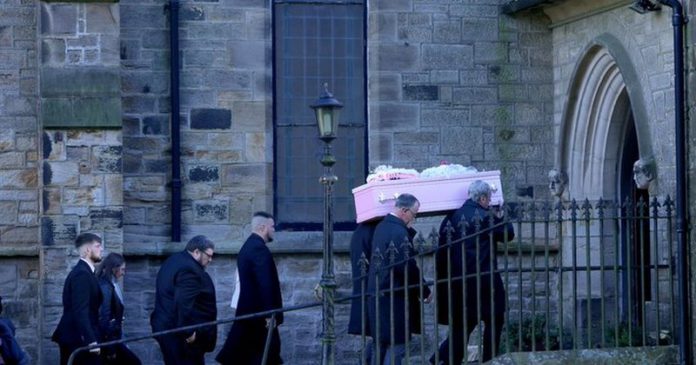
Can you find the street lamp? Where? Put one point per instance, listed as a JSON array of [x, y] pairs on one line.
[[327, 109]]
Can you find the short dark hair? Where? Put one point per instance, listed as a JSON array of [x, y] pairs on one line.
[[263, 214], [85, 238], [106, 269], [405, 201], [200, 243]]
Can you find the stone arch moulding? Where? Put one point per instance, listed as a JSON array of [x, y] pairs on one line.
[[604, 93]]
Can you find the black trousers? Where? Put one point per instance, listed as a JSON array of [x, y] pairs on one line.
[[82, 358], [491, 311], [175, 351], [119, 355]]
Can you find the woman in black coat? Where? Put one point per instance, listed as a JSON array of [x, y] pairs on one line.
[[111, 311]]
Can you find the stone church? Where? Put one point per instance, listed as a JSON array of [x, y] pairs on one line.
[[102, 130]]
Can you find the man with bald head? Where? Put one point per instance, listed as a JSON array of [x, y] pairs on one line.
[[260, 292]]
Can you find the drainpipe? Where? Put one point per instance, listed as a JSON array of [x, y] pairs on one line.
[[175, 126], [678, 21]]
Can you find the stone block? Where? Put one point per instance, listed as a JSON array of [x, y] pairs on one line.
[[445, 117], [249, 55], [255, 150], [82, 81], [420, 92], [156, 124], [157, 166], [113, 189], [60, 173], [380, 148], [102, 18], [211, 211], [9, 212], [203, 173], [107, 159], [86, 196], [209, 118], [448, 31], [11, 159], [245, 177], [9, 79], [104, 219], [20, 235], [253, 116], [54, 145], [81, 112], [394, 57], [5, 36], [385, 87], [7, 140], [452, 141], [447, 57], [57, 19], [26, 178], [479, 29], [51, 203], [394, 117], [474, 95], [491, 52], [59, 230]]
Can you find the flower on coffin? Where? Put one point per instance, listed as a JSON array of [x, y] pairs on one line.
[[447, 171], [386, 172]]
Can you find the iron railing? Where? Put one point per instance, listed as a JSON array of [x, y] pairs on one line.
[[577, 275]]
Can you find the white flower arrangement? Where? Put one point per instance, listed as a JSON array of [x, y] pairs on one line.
[[447, 171], [386, 172]]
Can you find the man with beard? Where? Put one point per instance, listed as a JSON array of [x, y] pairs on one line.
[[260, 292], [184, 296], [79, 325]]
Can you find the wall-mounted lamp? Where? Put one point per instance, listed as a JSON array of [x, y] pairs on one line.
[[644, 6]]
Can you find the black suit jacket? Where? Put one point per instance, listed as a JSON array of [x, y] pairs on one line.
[[185, 295], [472, 228], [360, 244], [82, 297], [110, 312], [260, 291], [393, 229]]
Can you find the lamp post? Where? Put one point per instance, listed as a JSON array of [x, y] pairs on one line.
[[327, 110]]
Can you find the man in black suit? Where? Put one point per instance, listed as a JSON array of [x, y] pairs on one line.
[[184, 296], [79, 325], [395, 228], [470, 231], [260, 291], [360, 256]]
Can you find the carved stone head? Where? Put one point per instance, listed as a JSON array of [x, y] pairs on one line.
[[557, 182], [643, 173]]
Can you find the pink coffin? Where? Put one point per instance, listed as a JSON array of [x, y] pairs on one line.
[[376, 199]]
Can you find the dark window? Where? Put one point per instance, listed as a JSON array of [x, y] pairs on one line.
[[317, 43]]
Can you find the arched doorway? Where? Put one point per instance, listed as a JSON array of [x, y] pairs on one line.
[[601, 136]]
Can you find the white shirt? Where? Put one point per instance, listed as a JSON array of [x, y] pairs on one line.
[[88, 263]]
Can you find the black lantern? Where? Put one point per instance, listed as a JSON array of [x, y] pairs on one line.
[[327, 110]]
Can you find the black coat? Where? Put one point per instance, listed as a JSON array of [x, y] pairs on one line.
[[472, 223], [79, 325], [259, 292], [393, 229], [185, 295], [360, 244], [110, 312]]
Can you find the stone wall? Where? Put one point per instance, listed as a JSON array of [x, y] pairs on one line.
[[226, 128], [19, 172], [461, 83]]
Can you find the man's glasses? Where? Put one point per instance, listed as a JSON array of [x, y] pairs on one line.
[[210, 255]]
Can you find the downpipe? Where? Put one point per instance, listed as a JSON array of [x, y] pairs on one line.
[[175, 119], [684, 331]]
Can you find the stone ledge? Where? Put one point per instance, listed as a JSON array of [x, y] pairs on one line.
[[286, 243], [625, 356], [24, 251]]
